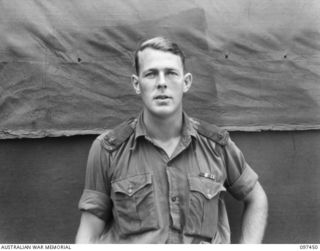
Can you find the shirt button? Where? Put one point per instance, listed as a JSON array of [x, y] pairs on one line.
[[130, 190], [174, 198]]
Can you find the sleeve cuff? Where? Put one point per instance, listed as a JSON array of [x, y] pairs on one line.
[[95, 202], [244, 184]]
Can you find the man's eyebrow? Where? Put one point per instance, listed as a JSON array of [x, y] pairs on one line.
[[171, 69], [151, 69]]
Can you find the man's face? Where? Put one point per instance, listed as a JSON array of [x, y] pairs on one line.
[[161, 82]]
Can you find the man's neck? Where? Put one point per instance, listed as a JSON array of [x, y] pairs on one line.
[[163, 129]]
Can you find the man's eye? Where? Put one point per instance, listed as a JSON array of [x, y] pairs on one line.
[[172, 73], [150, 74]]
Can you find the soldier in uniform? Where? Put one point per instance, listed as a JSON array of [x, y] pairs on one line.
[[161, 177]]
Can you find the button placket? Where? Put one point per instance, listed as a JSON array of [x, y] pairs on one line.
[[173, 197]]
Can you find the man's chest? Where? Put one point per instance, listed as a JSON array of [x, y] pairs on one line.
[[191, 160], [153, 189]]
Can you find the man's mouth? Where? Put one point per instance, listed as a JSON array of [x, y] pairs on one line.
[[161, 97]]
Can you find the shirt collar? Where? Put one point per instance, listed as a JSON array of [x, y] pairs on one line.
[[140, 127], [188, 127]]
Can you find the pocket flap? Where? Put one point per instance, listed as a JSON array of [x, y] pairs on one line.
[[207, 187], [131, 185]]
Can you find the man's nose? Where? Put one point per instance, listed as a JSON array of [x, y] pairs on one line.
[[162, 81]]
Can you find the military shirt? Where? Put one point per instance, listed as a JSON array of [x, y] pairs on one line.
[[145, 196]]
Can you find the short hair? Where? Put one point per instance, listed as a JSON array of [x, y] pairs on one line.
[[158, 43]]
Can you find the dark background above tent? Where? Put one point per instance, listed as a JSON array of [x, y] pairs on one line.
[[65, 66]]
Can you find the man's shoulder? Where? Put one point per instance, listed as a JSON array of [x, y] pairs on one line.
[[210, 131], [111, 139]]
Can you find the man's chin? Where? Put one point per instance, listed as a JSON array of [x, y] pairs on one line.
[[163, 112]]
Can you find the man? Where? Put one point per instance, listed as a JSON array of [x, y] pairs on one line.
[[160, 178]]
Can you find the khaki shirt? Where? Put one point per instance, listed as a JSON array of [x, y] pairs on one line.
[[144, 196]]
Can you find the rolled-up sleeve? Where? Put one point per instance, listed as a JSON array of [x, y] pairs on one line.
[[241, 178], [95, 197]]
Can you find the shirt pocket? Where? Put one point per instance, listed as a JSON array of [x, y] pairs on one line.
[[134, 204], [203, 202]]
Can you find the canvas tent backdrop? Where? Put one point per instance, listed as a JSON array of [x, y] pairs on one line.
[[65, 66]]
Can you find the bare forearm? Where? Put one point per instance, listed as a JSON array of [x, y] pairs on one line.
[[86, 237], [90, 229], [83, 238], [254, 218]]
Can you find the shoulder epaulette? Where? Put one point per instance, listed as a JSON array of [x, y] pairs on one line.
[[212, 131], [113, 138]]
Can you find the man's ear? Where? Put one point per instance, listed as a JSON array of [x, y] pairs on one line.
[[187, 82], [135, 83]]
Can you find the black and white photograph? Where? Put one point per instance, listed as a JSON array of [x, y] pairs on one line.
[[159, 122]]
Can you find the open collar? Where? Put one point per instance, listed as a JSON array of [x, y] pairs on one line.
[[188, 128]]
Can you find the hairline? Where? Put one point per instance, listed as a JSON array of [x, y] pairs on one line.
[[138, 61], [152, 45]]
